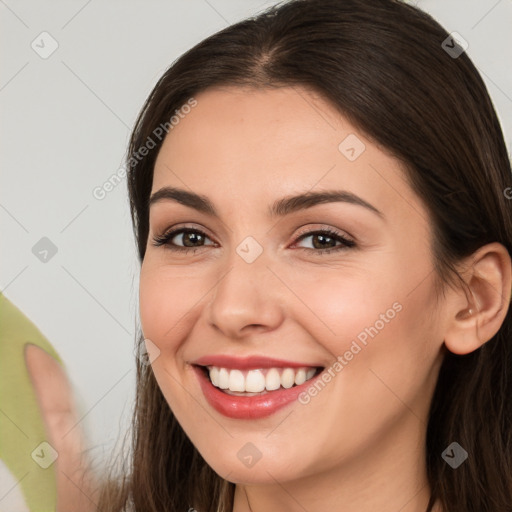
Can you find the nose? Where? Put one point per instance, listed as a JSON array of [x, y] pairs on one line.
[[248, 298]]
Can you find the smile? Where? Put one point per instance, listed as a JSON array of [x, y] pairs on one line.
[[259, 380], [253, 387]]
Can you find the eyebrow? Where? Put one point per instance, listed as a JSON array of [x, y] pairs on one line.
[[279, 208]]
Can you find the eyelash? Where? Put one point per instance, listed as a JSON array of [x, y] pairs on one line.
[[346, 243]]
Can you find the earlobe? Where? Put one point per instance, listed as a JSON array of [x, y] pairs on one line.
[[463, 335], [476, 318]]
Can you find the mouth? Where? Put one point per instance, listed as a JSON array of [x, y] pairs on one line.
[[253, 391], [258, 381]]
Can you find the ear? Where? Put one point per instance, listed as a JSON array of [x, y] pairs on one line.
[[475, 319]]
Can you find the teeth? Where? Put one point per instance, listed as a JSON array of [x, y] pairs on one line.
[[236, 381], [272, 380], [223, 378], [287, 378], [255, 381], [300, 377], [214, 376], [260, 380]]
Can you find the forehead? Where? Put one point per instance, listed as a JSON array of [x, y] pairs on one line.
[[262, 143], [235, 124]]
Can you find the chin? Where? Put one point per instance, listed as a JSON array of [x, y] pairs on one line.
[[238, 467]]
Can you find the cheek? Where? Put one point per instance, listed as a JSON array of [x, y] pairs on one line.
[[166, 301], [152, 302], [373, 319], [342, 306]]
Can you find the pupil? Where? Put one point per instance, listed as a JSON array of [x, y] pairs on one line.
[[192, 235], [323, 237]]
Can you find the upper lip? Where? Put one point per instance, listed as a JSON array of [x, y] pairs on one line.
[[249, 362]]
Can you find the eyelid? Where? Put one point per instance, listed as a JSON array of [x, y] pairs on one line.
[[324, 227]]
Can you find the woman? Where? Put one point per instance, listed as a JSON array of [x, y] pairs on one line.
[[320, 200]]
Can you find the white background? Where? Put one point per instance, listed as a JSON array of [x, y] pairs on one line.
[[65, 122]]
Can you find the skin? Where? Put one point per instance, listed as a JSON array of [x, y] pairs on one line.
[[77, 486], [359, 444]]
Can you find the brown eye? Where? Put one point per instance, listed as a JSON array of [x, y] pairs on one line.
[[324, 241], [190, 239]]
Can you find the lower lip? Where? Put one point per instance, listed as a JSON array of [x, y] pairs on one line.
[[249, 407]]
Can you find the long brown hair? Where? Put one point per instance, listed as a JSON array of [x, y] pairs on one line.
[[386, 66]]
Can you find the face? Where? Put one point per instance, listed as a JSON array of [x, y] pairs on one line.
[[253, 290]]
